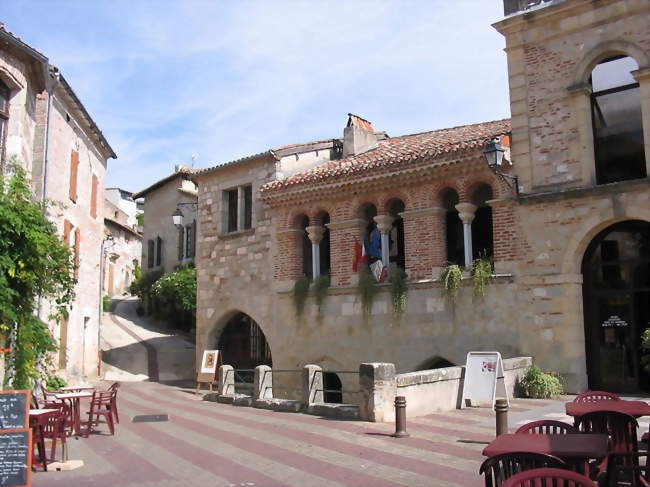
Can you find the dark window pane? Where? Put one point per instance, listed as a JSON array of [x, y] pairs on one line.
[[180, 243], [150, 253], [158, 250], [454, 234], [248, 206], [4, 97], [482, 246], [618, 136], [232, 210]]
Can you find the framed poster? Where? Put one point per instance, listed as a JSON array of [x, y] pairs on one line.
[[209, 362], [484, 378]]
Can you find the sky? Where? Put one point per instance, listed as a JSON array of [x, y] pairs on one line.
[[166, 80]]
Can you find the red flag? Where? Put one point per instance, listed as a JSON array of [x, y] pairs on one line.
[[359, 255]]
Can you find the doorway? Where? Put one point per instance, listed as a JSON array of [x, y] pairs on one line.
[[616, 292], [243, 345]]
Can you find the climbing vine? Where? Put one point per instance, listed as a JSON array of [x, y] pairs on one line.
[[300, 293], [398, 291], [34, 262], [452, 278], [321, 287], [481, 275], [367, 291]]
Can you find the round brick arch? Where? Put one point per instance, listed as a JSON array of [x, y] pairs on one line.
[[604, 50]]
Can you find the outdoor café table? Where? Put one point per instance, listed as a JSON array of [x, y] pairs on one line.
[[633, 408], [77, 388], [37, 420], [73, 399], [572, 448]]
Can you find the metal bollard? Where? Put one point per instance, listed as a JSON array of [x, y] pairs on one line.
[[400, 418], [501, 408]]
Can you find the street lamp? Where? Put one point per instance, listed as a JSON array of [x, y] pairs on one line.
[[494, 153], [177, 217]]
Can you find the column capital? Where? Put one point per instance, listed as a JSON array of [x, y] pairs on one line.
[[315, 233], [466, 212], [384, 223]]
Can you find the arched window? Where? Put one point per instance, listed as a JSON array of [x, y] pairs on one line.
[[396, 237], [617, 121], [324, 246], [332, 387], [305, 246], [482, 243], [371, 236], [4, 116], [453, 227]]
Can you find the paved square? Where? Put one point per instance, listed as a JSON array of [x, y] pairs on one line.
[[211, 444]]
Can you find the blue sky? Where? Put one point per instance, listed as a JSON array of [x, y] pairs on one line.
[[167, 79]]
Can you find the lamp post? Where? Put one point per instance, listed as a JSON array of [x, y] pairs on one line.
[[494, 153], [177, 216]]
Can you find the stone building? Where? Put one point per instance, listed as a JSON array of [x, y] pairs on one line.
[[123, 250], [46, 128], [561, 206], [167, 246], [579, 76]]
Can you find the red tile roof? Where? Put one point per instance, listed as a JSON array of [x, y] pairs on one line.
[[397, 152]]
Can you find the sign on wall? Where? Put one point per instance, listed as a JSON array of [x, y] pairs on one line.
[[484, 378], [15, 439]]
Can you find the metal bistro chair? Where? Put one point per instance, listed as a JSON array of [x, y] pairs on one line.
[[501, 467], [626, 469], [597, 396], [549, 477], [113, 406], [547, 427], [100, 405]]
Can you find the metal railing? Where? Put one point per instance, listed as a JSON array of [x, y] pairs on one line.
[[244, 379], [514, 6]]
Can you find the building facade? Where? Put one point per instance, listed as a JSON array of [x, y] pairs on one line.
[[563, 217], [48, 131]]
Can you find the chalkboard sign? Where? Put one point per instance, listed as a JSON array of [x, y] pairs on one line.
[[14, 410], [15, 465]]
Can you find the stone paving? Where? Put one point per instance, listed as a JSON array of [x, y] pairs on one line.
[[211, 444]]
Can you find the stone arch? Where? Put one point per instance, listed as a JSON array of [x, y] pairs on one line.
[[385, 200], [604, 50], [293, 218], [436, 362], [255, 340], [442, 190], [582, 237]]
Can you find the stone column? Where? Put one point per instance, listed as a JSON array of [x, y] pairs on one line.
[[385, 225], [378, 390], [643, 77], [466, 214], [226, 380], [315, 233], [312, 385], [584, 150], [263, 383]]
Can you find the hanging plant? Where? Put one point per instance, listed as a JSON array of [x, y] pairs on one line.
[[398, 290], [321, 286], [300, 293], [481, 275], [452, 278], [367, 291]]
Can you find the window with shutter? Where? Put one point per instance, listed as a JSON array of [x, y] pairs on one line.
[[67, 228], [193, 244], [159, 257], [150, 253], [74, 169], [180, 243], [4, 116], [93, 197], [77, 249]]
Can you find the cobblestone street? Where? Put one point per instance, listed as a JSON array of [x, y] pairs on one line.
[[210, 444]]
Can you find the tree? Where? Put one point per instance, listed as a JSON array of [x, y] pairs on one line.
[[34, 262]]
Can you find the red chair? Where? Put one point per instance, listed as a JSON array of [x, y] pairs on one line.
[[114, 387], [48, 396], [55, 426], [547, 427], [620, 427], [549, 477], [501, 467], [625, 469], [597, 396], [100, 405]]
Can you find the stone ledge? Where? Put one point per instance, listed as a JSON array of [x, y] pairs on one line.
[[242, 400], [334, 410], [282, 405]]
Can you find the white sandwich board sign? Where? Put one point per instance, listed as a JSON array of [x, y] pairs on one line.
[[484, 378]]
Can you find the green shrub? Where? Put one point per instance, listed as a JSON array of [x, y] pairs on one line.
[[539, 385], [452, 279], [55, 383], [367, 291], [398, 290], [645, 347], [300, 293], [177, 289], [481, 275], [141, 287], [106, 303]]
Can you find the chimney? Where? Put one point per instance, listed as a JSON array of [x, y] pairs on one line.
[[358, 136]]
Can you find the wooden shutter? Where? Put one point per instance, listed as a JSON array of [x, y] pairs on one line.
[[77, 248], [74, 169], [193, 243], [180, 244], [159, 258], [93, 197], [67, 228], [150, 253]]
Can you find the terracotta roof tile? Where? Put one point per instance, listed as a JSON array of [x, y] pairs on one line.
[[400, 151]]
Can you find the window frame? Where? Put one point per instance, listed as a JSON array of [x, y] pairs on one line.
[[237, 209], [5, 95]]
